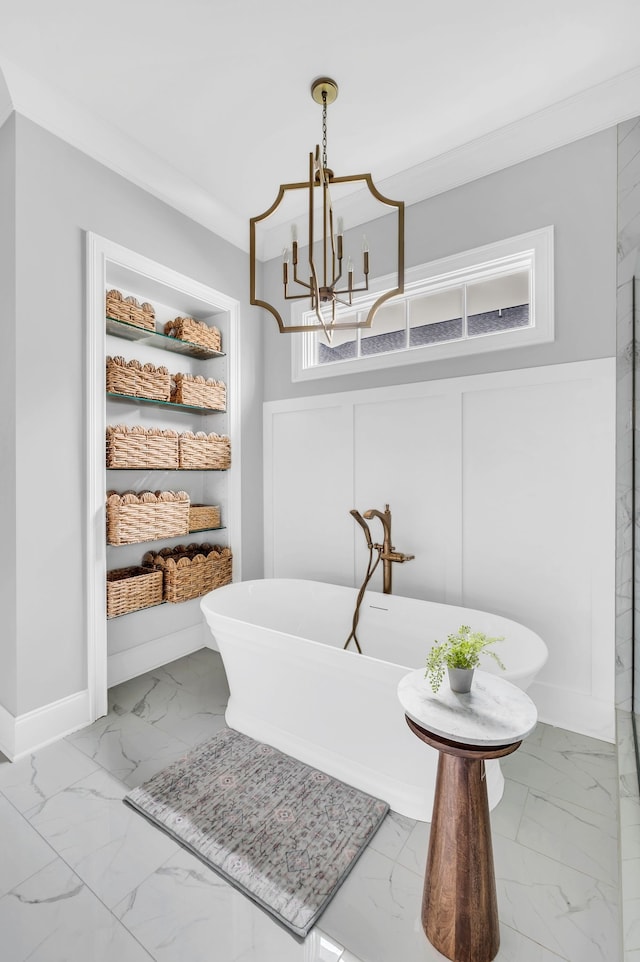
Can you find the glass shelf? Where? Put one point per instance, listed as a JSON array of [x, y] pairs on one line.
[[155, 339], [167, 538], [136, 610], [132, 398], [149, 607], [166, 469]]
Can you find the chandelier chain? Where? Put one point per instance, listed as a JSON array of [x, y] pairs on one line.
[[324, 129]]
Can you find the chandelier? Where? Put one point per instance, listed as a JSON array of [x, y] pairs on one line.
[[313, 269]]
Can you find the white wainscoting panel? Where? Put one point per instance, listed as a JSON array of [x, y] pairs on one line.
[[309, 492], [502, 485], [528, 538], [407, 454]]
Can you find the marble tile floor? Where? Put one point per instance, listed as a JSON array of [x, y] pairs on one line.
[[83, 878]]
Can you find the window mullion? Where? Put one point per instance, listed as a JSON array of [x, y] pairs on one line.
[[464, 312]]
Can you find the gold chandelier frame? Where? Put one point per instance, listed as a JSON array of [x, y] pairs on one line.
[[324, 91]]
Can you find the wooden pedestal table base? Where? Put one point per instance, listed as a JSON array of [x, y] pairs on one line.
[[459, 904]]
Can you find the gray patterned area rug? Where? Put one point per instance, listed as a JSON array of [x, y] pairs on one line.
[[283, 833]]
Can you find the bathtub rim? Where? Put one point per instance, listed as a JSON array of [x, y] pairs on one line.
[[512, 675]]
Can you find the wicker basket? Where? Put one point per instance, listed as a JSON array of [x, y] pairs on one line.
[[191, 570], [202, 451], [129, 310], [203, 517], [138, 447], [139, 380], [130, 589], [146, 516], [200, 391], [195, 332]]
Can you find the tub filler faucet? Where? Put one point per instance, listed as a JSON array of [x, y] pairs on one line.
[[386, 553]]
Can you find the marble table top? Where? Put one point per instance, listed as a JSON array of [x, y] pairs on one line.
[[494, 712]]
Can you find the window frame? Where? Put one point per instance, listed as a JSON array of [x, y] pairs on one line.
[[532, 251]]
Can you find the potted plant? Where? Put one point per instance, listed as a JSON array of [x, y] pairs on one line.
[[460, 654]]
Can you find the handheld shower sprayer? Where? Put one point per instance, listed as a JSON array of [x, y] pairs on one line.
[[365, 527]]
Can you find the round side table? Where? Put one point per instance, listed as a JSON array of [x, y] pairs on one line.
[[459, 904]]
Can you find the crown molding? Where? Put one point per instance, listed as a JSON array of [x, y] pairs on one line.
[[588, 112], [108, 145], [564, 122]]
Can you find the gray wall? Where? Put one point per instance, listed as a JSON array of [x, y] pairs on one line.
[[7, 417], [573, 188], [60, 194]]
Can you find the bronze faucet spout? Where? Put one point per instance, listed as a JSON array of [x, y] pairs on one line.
[[385, 517]]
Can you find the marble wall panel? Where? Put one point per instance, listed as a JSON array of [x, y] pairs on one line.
[[628, 269]]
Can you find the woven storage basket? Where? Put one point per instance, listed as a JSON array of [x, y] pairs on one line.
[[203, 392], [139, 380], [191, 570], [138, 447], [129, 310], [204, 451], [203, 516], [146, 516], [195, 332], [130, 589]]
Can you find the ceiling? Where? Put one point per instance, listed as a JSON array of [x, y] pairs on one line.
[[206, 102]]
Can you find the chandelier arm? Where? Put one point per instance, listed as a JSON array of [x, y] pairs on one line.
[[325, 216], [354, 290], [298, 281], [327, 330], [340, 301], [315, 292], [296, 297], [333, 246], [316, 301]]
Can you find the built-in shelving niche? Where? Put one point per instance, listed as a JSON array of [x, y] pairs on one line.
[[122, 647]]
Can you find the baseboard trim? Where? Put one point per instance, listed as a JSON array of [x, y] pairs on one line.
[[136, 661], [7, 732], [24, 734], [574, 711]]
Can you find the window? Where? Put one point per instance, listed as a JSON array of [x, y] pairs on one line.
[[487, 299]]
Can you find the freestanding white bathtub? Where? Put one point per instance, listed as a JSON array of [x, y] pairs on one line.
[[292, 684]]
